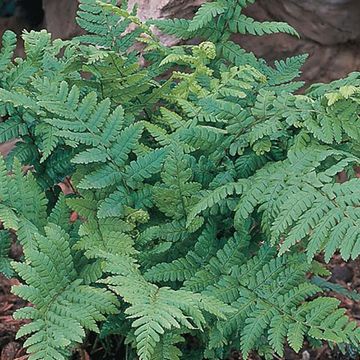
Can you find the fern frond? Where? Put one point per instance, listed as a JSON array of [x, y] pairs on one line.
[[247, 25], [166, 349], [60, 214], [287, 70], [201, 182], [315, 210], [175, 196], [213, 197], [63, 307], [206, 13], [126, 141], [185, 267], [21, 196], [8, 46], [222, 262], [157, 309], [233, 53], [5, 244], [105, 27], [12, 129], [144, 167], [178, 27], [267, 305]]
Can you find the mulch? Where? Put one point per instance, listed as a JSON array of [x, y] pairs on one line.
[[10, 348]]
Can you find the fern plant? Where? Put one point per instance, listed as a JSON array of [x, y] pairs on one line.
[[203, 183]]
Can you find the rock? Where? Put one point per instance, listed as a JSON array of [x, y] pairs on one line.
[[160, 9], [331, 53], [327, 22], [166, 8], [60, 18]]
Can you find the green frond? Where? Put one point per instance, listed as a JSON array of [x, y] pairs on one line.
[[246, 25], [210, 198], [60, 214], [113, 205], [4, 180], [248, 163], [255, 327], [176, 194], [236, 55], [263, 104], [85, 206], [206, 13], [166, 349], [178, 27], [277, 333], [329, 286], [25, 153], [5, 245], [89, 156], [20, 196], [223, 109], [8, 46], [266, 305], [63, 307], [144, 167], [49, 140], [202, 137], [179, 270], [184, 268], [125, 143], [319, 211], [18, 76], [103, 177], [12, 129], [105, 27], [295, 335], [221, 263], [158, 309], [286, 70]]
